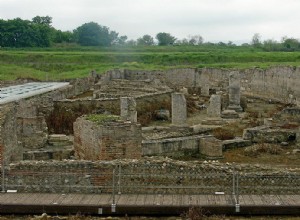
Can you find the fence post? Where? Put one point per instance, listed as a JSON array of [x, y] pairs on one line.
[[119, 180], [237, 200], [233, 180], [3, 175], [113, 205]]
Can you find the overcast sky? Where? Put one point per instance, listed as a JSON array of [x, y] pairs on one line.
[[214, 20]]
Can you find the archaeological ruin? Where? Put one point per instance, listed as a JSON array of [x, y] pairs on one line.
[[145, 118]]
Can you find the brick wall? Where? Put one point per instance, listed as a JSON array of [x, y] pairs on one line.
[[107, 141]]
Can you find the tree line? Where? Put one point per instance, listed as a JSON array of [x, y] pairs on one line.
[[39, 32]]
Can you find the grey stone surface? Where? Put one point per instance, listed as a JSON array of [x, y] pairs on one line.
[[128, 109], [179, 109], [214, 108], [234, 92], [211, 147], [229, 114], [204, 82], [235, 143]]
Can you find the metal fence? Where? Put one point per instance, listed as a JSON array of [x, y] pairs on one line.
[[148, 180]]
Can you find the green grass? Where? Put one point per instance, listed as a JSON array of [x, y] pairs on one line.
[[59, 63]]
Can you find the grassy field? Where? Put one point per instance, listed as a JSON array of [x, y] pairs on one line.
[[60, 63]]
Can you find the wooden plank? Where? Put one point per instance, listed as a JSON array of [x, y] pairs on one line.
[[194, 200], [123, 199], [201, 200], [158, 199], [131, 199], [51, 199], [140, 200], [248, 200], [221, 199], [241, 200], [149, 199], [257, 199], [67, 199], [43, 199], [93, 200], [294, 200], [167, 200], [176, 200], [284, 199], [185, 200], [12, 198], [31, 199]]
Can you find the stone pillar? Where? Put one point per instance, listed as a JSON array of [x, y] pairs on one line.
[[128, 109], [214, 108], [234, 92], [204, 85], [179, 113]]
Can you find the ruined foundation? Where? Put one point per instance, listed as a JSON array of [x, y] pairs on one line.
[[107, 140]]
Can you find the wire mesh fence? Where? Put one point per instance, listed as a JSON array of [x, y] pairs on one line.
[[145, 179]]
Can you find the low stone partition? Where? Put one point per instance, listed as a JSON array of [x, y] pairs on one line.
[[171, 145], [267, 134]]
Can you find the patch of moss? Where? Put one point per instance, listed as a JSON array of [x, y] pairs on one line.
[[102, 118]]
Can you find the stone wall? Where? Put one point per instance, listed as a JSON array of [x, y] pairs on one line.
[[11, 149], [23, 123], [69, 109], [107, 141], [278, 83]]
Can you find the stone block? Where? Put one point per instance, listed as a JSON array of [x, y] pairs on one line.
[[214, 108], [229, 114], [235, 143], [211, 147], [179, 109]]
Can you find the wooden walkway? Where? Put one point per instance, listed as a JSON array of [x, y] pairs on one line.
[[145, 204]]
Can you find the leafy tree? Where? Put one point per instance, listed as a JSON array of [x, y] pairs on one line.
[[122, 40], [290, 44], [93, 34], [59, 36], [146, 40], [131, 43], [271, 45], [195, 40], [42, 20], [256, 40], [165, 39], [24, 33]]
